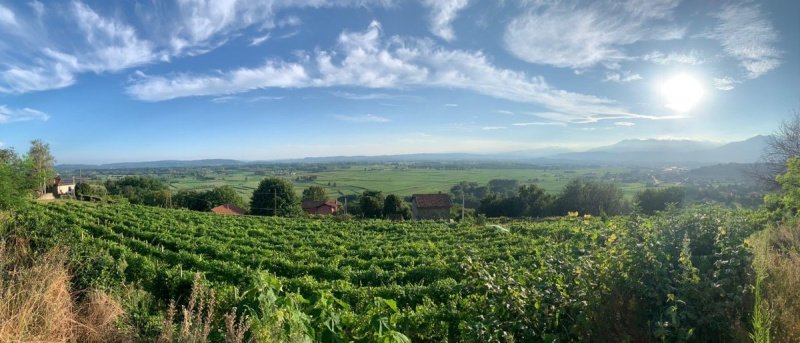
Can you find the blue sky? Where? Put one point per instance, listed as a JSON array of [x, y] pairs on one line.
[[111, 81]]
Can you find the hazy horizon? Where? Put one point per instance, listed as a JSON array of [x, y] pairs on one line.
[[107, 82]]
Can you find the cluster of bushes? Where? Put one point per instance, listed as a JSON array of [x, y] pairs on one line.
[[505, 198]]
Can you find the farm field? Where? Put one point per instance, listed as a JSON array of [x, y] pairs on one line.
[[668, 277], [389, 180]]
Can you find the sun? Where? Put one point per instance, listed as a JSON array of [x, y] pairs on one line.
[[682, 92]]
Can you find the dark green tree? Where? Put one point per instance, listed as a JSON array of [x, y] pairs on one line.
[[316, 193], [590, 197], [371, 204], [13, 184], [536, 202], [274, 197], [222, 195], [140, 190], [651, 201], [395, 208]]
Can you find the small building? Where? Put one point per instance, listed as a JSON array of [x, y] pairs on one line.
[[430, 206], [63, 187], [229, 209], [330, 206]]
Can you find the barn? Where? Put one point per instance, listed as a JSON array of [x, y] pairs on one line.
[[430, 206]]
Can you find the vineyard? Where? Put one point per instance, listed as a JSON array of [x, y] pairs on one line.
[[682, 275]]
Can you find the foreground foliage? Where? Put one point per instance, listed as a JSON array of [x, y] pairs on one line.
[[676, 276]]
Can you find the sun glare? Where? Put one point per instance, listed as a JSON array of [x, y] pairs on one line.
[[682, 92]]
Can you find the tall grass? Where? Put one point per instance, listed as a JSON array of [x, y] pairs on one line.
[[37, 305], [776, 315]]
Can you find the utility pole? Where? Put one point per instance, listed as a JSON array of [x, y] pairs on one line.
[[345, 205], [462, 204]]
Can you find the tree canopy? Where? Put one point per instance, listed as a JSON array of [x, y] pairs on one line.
[[653, 200], [316, 193], [274, 197]]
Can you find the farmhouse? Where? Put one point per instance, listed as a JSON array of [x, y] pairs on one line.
[[228, 209], [430, 206], [63, 187], [330, 206]]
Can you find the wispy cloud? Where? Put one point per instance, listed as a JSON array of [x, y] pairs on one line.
[[450, 105], [747, 35], [369, 96], [540, 123], [492, 128], [622, 77], [443, 13], [11, 115], [7, 16], [725, 83], [256, 41], [624, 123], [504, 112], [248, 99], [692, 57], [367, 118], [577, 34], [365, 60]]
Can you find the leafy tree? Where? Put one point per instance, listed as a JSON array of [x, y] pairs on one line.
[[316, 193], [590, 197], [13, 185], [223, 195], [190, 199], [371, 204], [503, 186], [536, 202], [42, 164], [495, 205], [395, 208], [472, 194], [781, 146], [789, 198], [654, 200], [274, 197], [141, 190]]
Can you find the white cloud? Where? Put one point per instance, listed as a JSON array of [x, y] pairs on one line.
[[492, 128], [624, 123], [256, 41], [747, 35], [7, 16], [366, 60], [504, 112], [368, 96], [693, 57], [625, 76], [580, 35], [10, 115], [450, 105], [367, 118], [540, 123], [443, 13], [107, 45], [725, 83]]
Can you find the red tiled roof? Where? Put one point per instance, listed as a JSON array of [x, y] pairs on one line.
[[312, 204], [228, 209], [431, 200]]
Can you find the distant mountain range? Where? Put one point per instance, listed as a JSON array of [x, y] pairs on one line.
[[630, 152], [651, 151]]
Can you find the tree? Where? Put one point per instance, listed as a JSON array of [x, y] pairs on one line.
[[789, 198], [472, 194], [222, 195], [503, 186], [536, 202], [274, 197], [371, 204], [589, 197], [13, 186], [395, 208], [315, 193], [140, 190], [42, 163], [781, 146], [654, 200]]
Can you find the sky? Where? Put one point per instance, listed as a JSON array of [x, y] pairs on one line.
[[113, 81]]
